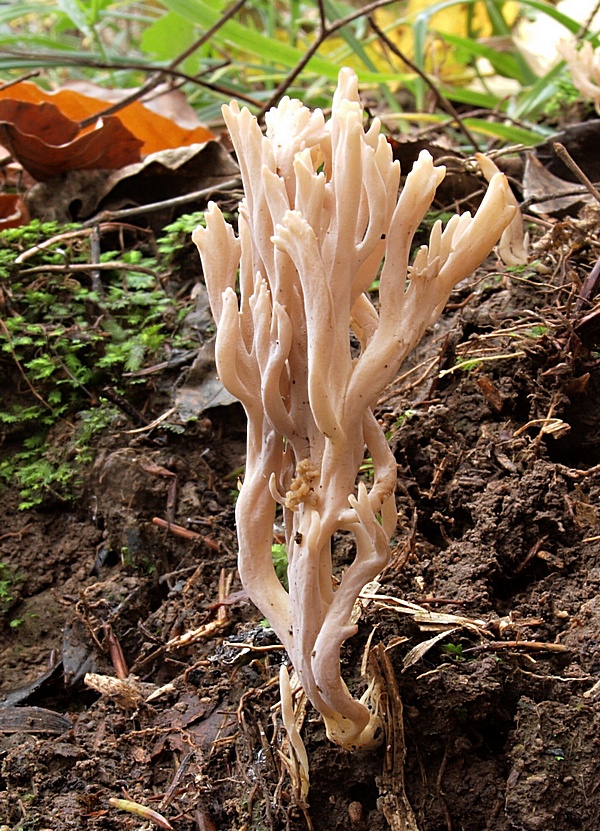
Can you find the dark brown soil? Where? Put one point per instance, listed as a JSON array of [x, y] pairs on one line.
[[499, 524]]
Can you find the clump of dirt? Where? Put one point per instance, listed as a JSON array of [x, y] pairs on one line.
[[495, 428]]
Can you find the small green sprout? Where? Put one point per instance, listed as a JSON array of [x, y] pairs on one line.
[[407, 415], [537, 331], [454, 651]]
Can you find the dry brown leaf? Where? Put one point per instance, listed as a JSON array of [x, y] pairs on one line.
[[161, 176], [47, 143], [162, 100], [417, 652], [154, 131], [542, 185]]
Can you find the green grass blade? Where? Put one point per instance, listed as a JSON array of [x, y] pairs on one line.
[[247, 40], [571, 25], [357, 48], [503, 62], [505, 132], [500, 27], [532, 103], [472, 97], [76, 14], [269, 52], [14, 12]]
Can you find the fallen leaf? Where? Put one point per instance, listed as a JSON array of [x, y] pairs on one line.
[[547, 189], [163, 100], [153, 130], [47, 143], [202, 389], [581, 140], [33, 720], [417, 652], [162, 176]]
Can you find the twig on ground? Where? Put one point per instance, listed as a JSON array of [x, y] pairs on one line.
[[565, 157], [172, 362], [125, 406], [18, 534], [532, 646], [395, 805], [480, 360], [116, 653], [179, 531], [172, 789], [110, 216], [253, 647], [14, 81], [213, 627], [440, 792], [33, 390], [67, 267], [76, 234], [589, 287]]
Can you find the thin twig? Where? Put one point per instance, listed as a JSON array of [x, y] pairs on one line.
[[253, 647], [185, 533], [441, 99], [577, 190], [23, 373], [159, 76], [69, 235], [96, 280], [172, 789], [15, 81], [586, 25], [533, 646], [110, 216], [67, 267], [440, 792], [565, 157], [134, 66], [589, 287], [18, 534], [324, 32]]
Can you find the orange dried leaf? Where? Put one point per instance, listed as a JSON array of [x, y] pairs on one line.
[[46, 142], [155, 131]]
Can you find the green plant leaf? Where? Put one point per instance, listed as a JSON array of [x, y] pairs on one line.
[[238, 35], [532, 103], [492, 129], [254, 43], [170, 34], [75, 11], [422, 21], [503, 62]]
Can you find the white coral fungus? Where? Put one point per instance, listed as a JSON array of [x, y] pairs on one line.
[[321, 220], [584, 66]]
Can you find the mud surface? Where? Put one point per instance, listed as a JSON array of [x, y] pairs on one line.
[[496, 434]]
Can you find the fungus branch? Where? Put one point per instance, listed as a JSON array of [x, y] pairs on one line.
[[321, 219]]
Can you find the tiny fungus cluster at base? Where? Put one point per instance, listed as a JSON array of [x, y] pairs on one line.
[[322, 218]]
